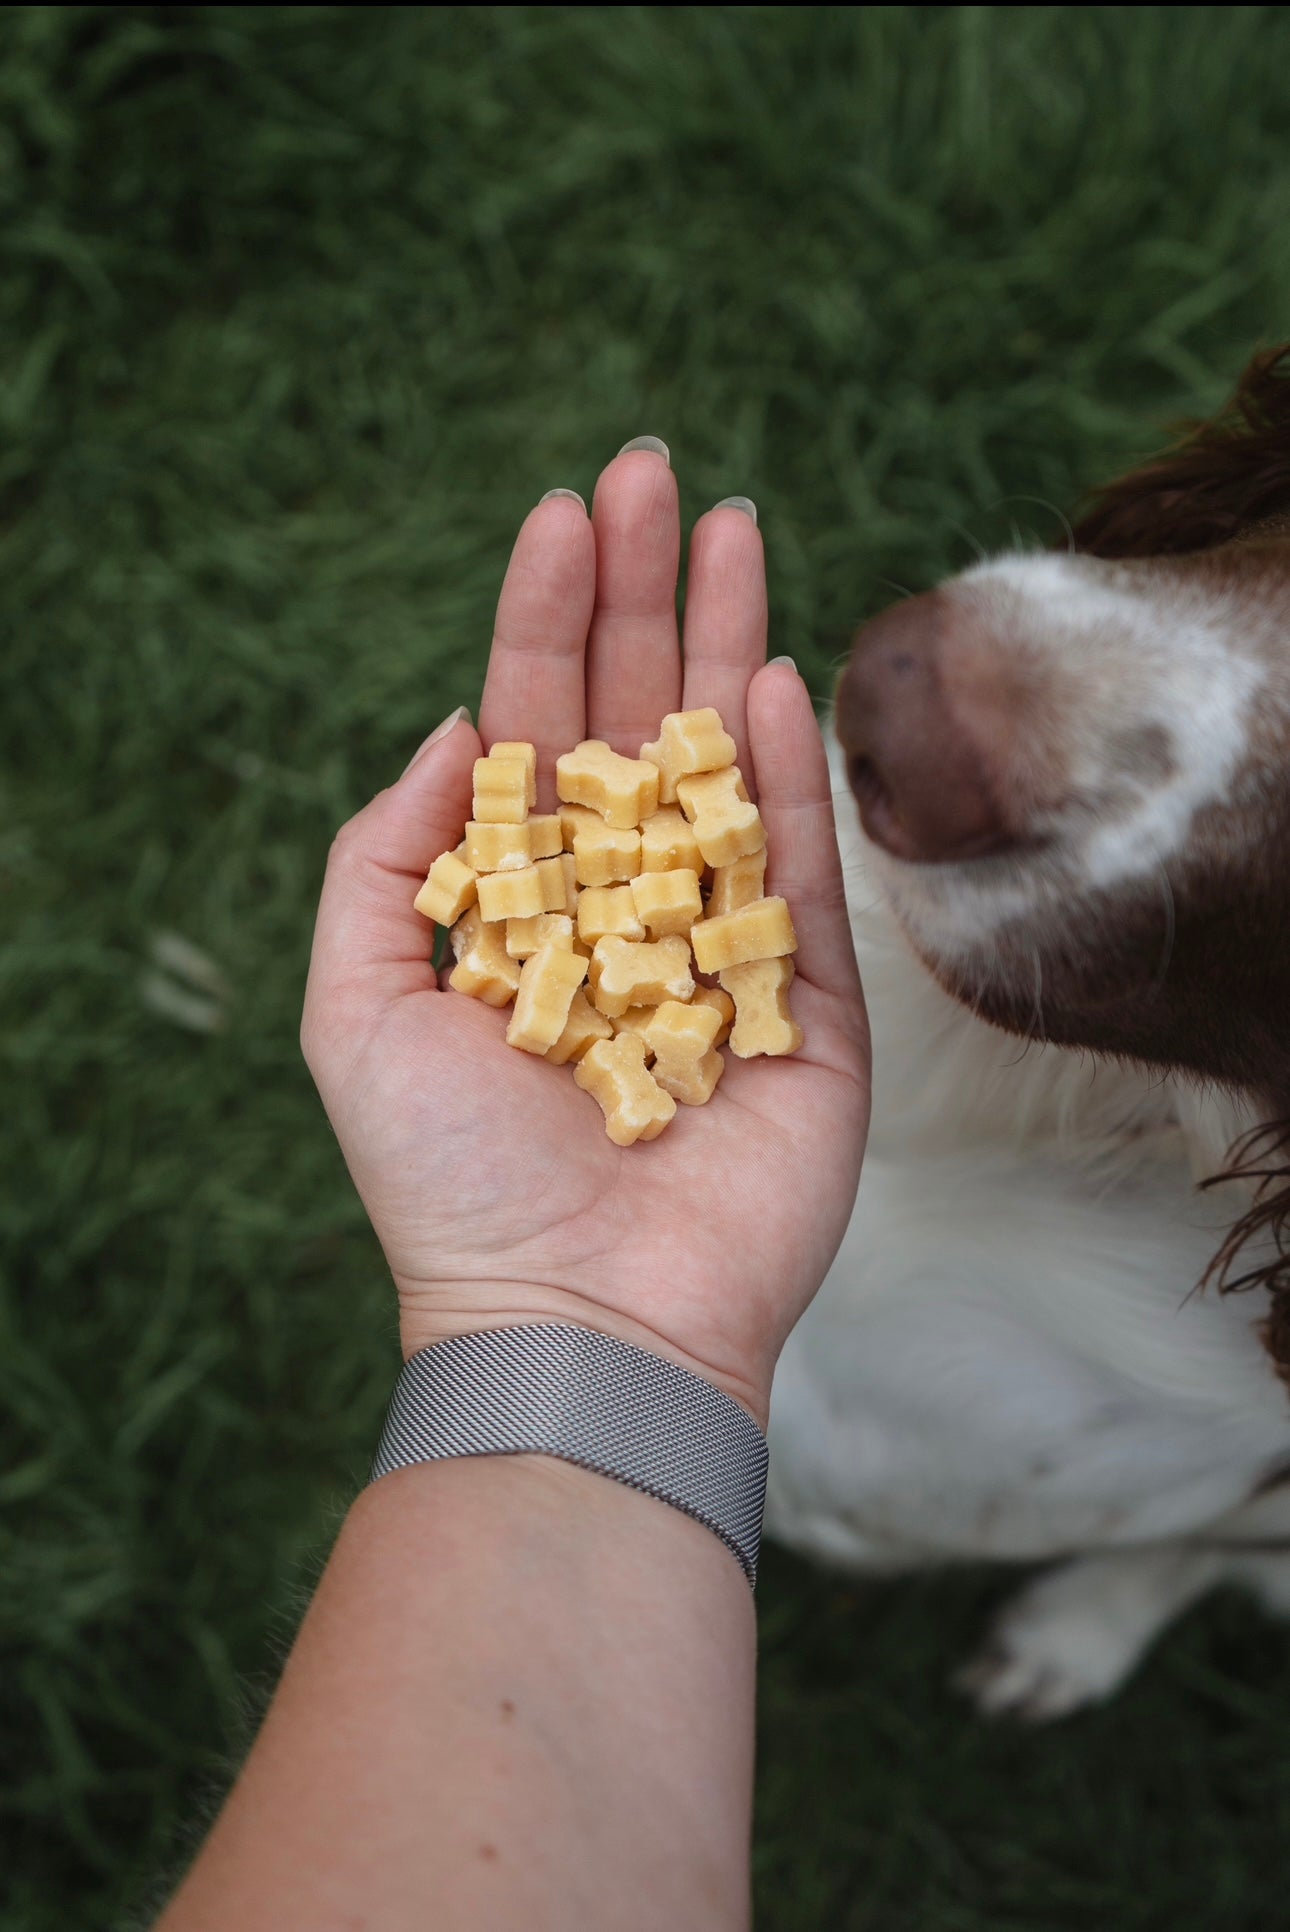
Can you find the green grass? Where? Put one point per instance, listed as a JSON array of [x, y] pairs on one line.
[[300, 310]]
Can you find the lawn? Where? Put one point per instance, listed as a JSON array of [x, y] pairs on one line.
[[300, 310]]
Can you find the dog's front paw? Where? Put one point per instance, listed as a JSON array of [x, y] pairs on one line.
[[1071, 1638], [1020, 1675]]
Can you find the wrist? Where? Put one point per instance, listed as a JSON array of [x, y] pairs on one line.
[[427, 1316]]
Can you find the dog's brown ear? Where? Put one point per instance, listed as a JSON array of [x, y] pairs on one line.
[[1260, 1159], [1220, 478]]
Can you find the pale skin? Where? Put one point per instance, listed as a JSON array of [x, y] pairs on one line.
[[524, 1694]]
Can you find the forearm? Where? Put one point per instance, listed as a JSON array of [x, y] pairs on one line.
[[523, 1696]]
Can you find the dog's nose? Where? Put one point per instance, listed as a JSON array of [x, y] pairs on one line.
[[924, 718]]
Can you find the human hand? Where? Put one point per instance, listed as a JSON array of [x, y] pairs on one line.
[[487, 1173]]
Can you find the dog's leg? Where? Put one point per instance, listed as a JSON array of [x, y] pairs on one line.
[[1071, 1637]]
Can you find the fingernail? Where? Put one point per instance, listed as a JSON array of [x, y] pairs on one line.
[[573, 493], [784, 659], [450, 723], [654, 444], [744, 503]]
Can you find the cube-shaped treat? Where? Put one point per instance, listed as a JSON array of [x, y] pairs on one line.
[[583, 1027], [667, 901], [512, 895], [689, 742], [501, 791], [608, 909], [762, 930], [524, 936], [484, 968], [668, 843], [622, 790], [722, 1004], [553, 878], [763, 1022], [450, 888], [545, 837], [498, 848], [606, 854], [574, 819], [738, 884], [524, 754], [635, 1107], [644, 973], [686, 1063], [548, 982], [725, 824]]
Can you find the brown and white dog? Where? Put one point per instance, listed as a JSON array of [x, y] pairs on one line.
[[1069, 878]]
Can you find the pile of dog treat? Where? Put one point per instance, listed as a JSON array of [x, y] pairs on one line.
[[594, 919]]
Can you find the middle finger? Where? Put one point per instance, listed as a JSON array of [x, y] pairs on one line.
[[633, 652]]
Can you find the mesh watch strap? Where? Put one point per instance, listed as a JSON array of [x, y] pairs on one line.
[[558, 1390]]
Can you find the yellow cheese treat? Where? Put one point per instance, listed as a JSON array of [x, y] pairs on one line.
[[667, 901], [583, 1027], [668, 843], [614, 1073], [763, 1022], [606, 854], [553, 879], [517, 751], [524, 936], [635, 1020], [738, 884], [762, 930], [689, 742], [686, 1063], [622, 790], [548, 982], [498, 848], [642, 973], [512, 895], [725, 824], [574, 819], [449, 889], [722, 1004], [546, 840], [501, 791], [484, 968], [608, 909]]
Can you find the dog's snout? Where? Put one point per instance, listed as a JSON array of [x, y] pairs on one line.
[[927, 724]]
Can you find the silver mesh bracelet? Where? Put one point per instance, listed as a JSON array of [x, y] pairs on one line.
[[558, 1390]]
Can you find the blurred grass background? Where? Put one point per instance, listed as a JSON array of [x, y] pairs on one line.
[[300, 310]]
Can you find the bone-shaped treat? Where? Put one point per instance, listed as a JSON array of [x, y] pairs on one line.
[[688, 742], [682, 1039], [622, 790], [613, 1072]]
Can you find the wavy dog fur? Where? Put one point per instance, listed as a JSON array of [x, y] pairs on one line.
[[1225, 480]]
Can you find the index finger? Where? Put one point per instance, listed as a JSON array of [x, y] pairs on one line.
[[535, 685]]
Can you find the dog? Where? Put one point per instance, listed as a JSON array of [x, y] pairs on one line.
[[1063, 794]]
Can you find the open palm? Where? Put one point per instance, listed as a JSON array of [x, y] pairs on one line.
[[487, 1173]]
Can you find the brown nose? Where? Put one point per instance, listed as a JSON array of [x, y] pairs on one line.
[[926, 720]]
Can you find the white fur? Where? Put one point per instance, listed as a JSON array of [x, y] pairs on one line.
[[1122, 651], [1008, 1359]]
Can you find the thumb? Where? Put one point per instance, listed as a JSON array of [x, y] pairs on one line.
[[370, 946]]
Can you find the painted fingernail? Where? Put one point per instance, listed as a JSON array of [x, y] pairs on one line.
[[450, 723], [744, 503], [654, 444], [784, 659], [573, 493]]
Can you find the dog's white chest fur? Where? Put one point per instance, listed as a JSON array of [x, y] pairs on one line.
[[1007, 1359]]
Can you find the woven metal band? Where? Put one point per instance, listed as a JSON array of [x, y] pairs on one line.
[[557, 1390]]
